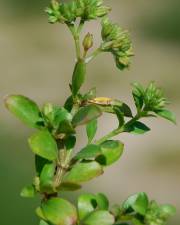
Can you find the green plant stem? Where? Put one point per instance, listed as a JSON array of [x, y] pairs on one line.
[[113, 133], [119, 130], [63, 164], [93, 55], [76, 38], [75, 31]]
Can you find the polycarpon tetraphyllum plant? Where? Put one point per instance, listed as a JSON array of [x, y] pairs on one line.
[[57, 167]]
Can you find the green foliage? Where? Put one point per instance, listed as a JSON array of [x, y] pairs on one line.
[[46, 178], [91, 129], [137, 203], [43, 144], [86, 114], [57, 168], [24, 109], [83, 172], [99, 217], [111, 151], [59, 211], [138, 128], [28, 192]]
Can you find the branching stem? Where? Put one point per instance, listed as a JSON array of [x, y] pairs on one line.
[[93, 55], [119, 130]]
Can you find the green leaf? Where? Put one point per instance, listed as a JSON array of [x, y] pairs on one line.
[[82, 172], [167, 115], [42, 222], [91, 129], [111, 151], [102, 201], [43, 144], [138, 95], [89, 152], [86, 204], [69, 103], [123, 107], [136, 221], [39, 213], [91, 94], [138, 203], [28, 192], [78, 76], [59, 211], [46, 178], [66, 127], [86, 114], [100, 217], [167, 211], [67, 186], [55, 114], [40, 163], [70, 142], [138, 128], [24, 109], [115, 210], [119, 115]]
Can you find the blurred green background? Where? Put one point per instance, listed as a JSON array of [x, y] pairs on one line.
[[36, 59]]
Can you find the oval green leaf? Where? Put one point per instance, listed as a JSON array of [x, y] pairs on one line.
[[91, 130], [86, 204], [42, 222], [102, 201], [166, 114], [89, 152], [59, 211], [100, 217], [46, 178], [83, 172], [111, 151], [39, 213], [67, 186], [56, 114], [43, 144], [138, 203], [40, 163], [86, 114], [24, 109], [28, 192]]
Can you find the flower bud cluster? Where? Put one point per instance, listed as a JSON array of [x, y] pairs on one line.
[[70, 11], [154, 98], [151, 98], [117, 41]]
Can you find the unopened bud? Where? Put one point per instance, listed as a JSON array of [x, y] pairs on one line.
[[88, 41], [55, 5]]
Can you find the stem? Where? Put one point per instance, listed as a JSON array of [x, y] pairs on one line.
[[75, 31], [119, 130], [110, 135], [64, 159], [93, 55], [76, 38]]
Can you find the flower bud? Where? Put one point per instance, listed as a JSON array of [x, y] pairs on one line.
[[88, 42], [102, 11]]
